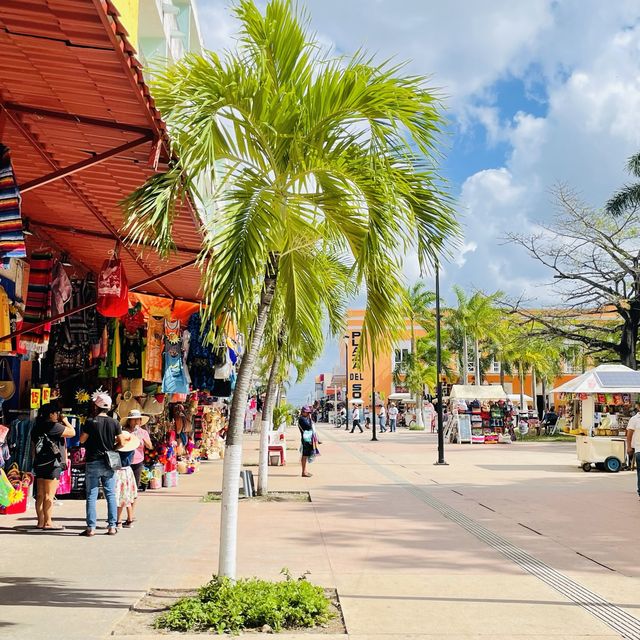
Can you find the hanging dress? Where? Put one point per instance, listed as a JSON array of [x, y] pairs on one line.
[[155, 335], [173, 380]]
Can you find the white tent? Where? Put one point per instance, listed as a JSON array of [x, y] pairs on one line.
[[607, 378], [472, 392], [406, 397], [515, 397], [355, 401]]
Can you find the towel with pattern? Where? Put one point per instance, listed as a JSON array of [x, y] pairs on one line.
[[38, 307], [11, 236]]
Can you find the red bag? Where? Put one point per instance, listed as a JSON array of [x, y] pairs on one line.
[[113, 289]]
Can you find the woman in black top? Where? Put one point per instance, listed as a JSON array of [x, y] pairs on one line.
[[48, 434], [305, 424]]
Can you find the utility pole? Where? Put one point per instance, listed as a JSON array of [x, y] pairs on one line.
[[441, 460], [373, 397]]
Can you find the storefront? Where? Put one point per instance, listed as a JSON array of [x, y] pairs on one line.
[[80, 307]]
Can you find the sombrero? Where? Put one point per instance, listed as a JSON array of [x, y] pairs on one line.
[[130, 445], [135, 414]]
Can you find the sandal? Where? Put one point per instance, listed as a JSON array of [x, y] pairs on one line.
[[307, 475], [88, 533], [111, 531], [127, 524], [54, 528]]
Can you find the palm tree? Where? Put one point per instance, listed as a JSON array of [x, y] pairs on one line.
[[310, 155], [483, 318], [458, 320], [628, 197], [419, 301]]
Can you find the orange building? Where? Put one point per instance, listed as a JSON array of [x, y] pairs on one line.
[[360, 378]]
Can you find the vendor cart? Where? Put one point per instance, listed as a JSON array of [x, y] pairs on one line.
[[608, 454]]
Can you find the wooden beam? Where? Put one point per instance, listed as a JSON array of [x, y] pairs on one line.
[[83, 164]]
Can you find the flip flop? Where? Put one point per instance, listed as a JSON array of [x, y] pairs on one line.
[[60, 528], [111, 531], [88, 533]]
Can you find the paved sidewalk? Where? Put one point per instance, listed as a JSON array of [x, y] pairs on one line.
[[508, 541]]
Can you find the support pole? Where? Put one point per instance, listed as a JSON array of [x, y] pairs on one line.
[[440, 460], [374, 437], [346, 378]]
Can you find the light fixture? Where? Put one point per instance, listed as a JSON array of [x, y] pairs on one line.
[[64, 260], [26, 228]]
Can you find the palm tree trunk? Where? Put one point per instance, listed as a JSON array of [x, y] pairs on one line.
[[534, 388], [477, 364], [233, 450], [502, 374], [417, 396], [465, 358], [267, 423], [545, 406], [521, 376]]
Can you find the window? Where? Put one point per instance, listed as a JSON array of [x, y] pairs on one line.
[[571, 367], [400, 356], [471, 364], [495, 366]]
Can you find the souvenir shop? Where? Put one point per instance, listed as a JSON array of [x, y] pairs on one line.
[[149, 353], [480, 415]]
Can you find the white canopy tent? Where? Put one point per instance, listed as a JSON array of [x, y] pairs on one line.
[[473, 392], [515, 398], [606, 378], [404, 397]]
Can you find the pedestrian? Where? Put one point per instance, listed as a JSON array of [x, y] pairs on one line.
[[134, 424], [101, 436], [367, 417], [633, 442], [307, 435], [393, 417], [382, 419], [355, 418], [126, 487], [48, 434]]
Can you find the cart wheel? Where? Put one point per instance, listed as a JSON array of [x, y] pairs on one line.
[[586, 466], [612, 464]]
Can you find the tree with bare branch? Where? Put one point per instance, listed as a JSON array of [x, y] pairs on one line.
[[595, 262]]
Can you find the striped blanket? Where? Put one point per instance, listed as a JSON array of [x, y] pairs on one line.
[[11, 236], [38, 307]]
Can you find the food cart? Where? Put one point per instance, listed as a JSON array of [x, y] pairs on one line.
[[601, 403]]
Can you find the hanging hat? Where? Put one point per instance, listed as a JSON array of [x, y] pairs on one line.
[[152, 407], [130, 445], [126, 403], [135, 414]]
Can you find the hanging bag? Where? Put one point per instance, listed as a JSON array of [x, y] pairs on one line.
[[112, 289], [7, 384]]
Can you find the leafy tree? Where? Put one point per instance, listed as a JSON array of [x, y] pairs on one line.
[[458, 321], [594, 259], [310, 154], [628, 198], [483, 317]]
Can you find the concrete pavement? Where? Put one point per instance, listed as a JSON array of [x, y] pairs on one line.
[[508, 541]]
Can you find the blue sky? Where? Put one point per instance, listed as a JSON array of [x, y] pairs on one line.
[[537, 92]]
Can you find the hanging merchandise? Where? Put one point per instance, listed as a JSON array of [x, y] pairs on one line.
[[174, 380], [7, 384], [60, 288], [152, 407], [131, 355], [126, 403], [203, 356], [155, 337], [113, 289], [11, 235], [6, 345], [38, 307]]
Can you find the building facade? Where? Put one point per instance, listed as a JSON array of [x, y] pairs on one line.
[[162, 31], [360, 378]]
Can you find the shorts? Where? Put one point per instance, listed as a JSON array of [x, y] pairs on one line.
[[137, 471], [49, 472]]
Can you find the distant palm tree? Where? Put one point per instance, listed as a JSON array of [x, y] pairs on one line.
[[458, 319], [483, 319], [628, 197]]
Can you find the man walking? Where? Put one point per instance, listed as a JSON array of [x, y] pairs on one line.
[[382, 418], [355, 418], [393, 417]]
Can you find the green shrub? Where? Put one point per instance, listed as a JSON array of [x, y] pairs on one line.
[[226, 606], [416, 427]]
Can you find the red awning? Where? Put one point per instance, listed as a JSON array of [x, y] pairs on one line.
[[84, 133]]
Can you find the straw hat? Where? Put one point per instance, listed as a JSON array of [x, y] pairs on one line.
[[130, 445], [152, 407], [135, 414]]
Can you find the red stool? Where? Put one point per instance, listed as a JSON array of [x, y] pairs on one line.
[[279, 449]]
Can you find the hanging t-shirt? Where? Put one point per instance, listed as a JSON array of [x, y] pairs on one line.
[[174, 379], [131, 354], [155, 345]]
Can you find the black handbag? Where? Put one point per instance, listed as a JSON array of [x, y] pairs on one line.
[[112, 460]]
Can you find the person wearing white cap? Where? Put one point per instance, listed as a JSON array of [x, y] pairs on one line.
[[101, 436]]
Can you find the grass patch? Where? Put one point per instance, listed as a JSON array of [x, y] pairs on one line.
[[272, 496], [224, 606], [559, 437], [416, 427]]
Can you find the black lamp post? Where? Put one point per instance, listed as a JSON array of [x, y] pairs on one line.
[[439, 370], [346, 378], [374, 437]]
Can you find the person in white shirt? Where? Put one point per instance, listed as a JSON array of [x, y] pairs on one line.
[[382, 419], [355, 417], [633, 443], [393, 417]]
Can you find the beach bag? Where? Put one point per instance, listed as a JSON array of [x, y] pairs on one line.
[[113, 460], [112, 289]]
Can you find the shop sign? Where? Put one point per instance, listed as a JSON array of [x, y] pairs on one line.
[[355, 377], [46, 395], [35, 398]]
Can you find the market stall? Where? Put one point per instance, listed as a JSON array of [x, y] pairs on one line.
[[479, 415], [596, 408]]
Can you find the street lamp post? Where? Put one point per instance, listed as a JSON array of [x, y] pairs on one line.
[[346, 378], [439, 369], [374, 437]]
